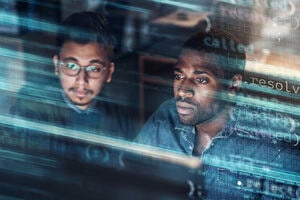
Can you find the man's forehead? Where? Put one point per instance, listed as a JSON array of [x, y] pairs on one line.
[[200, 60], [213, 59], [208, 57]]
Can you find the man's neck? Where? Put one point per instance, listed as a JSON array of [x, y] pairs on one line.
[[206, 131]]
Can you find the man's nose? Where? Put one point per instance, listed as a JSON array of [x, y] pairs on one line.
[[185, 92], [82, 77]]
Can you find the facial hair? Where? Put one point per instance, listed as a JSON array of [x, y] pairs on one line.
[[200, 115], [74, 89]]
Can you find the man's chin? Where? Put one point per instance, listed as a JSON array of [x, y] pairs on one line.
[[186, 120], [81, 102]]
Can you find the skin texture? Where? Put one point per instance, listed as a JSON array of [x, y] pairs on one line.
[[195, 88], [198, 101], [80, 89]]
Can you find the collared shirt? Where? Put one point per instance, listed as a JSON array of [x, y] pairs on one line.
[[243, 161], [163, 129]]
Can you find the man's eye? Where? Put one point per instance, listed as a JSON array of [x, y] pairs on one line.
[[178, 76], [72, 66], [93, 68], [202, 80]]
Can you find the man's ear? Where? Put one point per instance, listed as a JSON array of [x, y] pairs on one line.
[[55, 62], [111, 70], [235, 84]]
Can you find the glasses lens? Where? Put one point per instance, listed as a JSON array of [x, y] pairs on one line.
[[94, 71], [73, 69], [70, 68]]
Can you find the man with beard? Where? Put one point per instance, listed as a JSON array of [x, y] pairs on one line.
[[83, 65], [242, 155], [204, 86]]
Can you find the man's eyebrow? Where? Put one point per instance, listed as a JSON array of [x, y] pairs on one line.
[[177, 69], [97, 61], [70, 59], [210, 70], [201, 72], [76, 60]]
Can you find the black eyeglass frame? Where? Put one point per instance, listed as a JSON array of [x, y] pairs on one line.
[[63, 66]]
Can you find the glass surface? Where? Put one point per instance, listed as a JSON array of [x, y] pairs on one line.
[[61, 151]]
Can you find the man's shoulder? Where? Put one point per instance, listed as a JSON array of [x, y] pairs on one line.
[[160, 128], [247, 145], [37, 106]]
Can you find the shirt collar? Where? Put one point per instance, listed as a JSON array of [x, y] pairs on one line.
[[187, 133], [229, 127], [184, 133]]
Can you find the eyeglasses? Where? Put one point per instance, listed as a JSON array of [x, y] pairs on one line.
[[73, 69]]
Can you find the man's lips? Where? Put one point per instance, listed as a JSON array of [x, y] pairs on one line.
[[80, 93], [184, 108]]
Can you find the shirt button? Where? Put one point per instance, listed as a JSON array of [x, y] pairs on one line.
[[190, 147]]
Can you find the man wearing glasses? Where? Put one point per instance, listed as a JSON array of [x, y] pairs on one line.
[[83, 65]]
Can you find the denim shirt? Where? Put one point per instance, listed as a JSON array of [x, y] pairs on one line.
[[236, 165], [163, 129]]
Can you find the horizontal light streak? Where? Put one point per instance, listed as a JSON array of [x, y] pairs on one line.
[[36, 89], [13, 54], [267, 104], [285, 72], [104, 141], [35, 24], [181, 4], [239, 166], [130, 8]]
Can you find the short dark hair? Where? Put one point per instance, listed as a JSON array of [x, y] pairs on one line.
[[85, 27], [225, 48]]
